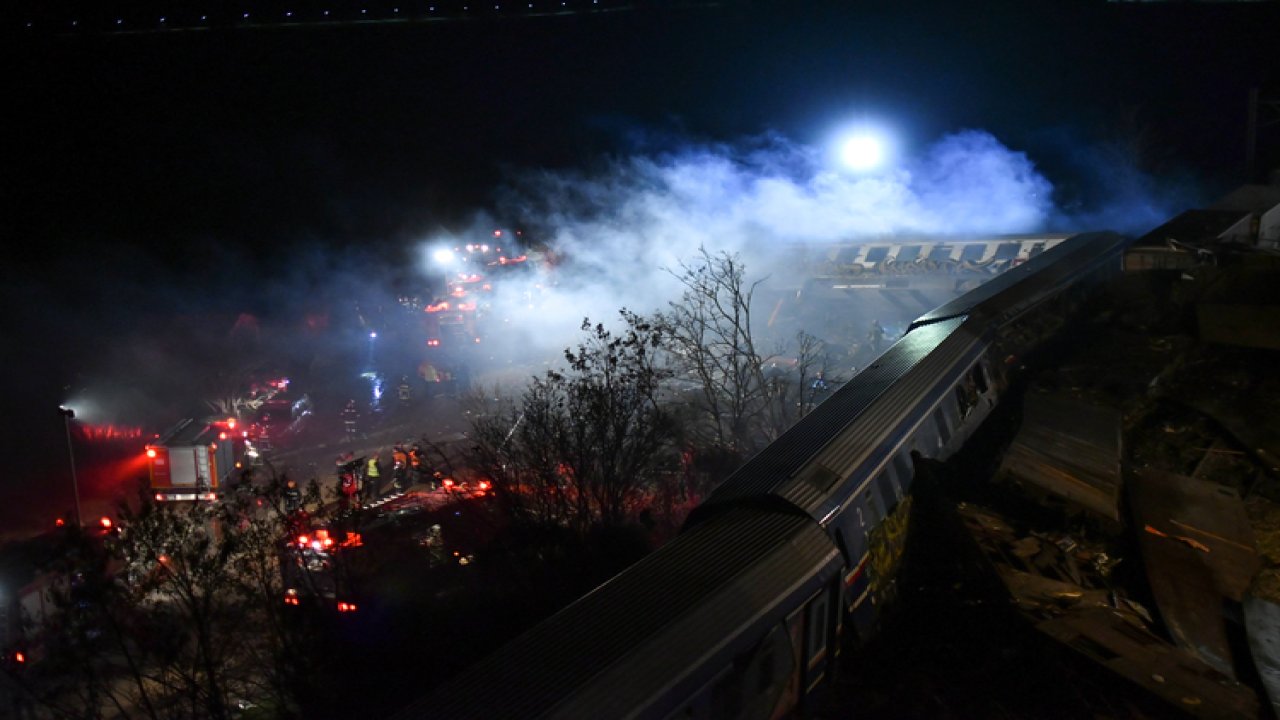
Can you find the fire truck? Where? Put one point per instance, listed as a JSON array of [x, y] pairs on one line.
[[451, 323], [195, 459]]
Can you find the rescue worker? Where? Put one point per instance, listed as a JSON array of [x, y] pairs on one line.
[[350, 416], [292, 496], [372, 479], [404, 392], [348, 483], [416, 465], [820, 382], [430, 376], [876, 335], [400, 467]]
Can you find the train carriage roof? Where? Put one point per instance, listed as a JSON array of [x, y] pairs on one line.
[[629, 641], [840, 429], [1006, 295]]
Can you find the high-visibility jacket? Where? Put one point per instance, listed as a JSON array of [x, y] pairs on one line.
[[371, 470]]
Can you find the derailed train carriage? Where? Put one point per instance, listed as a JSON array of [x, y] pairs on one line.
[[741, 616]]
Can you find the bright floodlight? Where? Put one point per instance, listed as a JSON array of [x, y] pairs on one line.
[[442, 256], [862, 152]]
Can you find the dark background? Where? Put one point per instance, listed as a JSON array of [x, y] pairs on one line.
[[153, 177]]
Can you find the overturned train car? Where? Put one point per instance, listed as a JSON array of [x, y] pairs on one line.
[[742, 615]]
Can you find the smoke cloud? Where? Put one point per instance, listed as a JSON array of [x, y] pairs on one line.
[[623, 228]]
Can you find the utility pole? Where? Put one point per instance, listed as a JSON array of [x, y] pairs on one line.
[[67, 415]]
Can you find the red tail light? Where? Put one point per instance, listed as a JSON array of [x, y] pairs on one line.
[[448, 482], [151, 452], [484, 484], [105, 522]]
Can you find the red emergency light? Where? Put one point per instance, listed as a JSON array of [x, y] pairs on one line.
[[151, 452], [346, 607], [105, 522]]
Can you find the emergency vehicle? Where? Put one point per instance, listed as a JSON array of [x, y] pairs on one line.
[[195, 459], [450, 323]]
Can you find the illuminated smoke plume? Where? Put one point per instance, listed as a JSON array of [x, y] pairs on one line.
[[623, 227]]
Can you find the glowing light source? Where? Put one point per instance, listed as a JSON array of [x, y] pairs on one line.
[[862, 151], [442, 256]]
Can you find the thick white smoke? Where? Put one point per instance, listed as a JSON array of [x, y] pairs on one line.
[[625, 226]]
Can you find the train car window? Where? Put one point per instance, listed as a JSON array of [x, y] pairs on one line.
[[877, 254], [940, 253], [726, 696], [979, 378], [944, 433], [1007, 251], [875, 509], [972, 253], [1036, 250], [817, 626], [888, 496], [764, 676], [908, 253], [966, 398], [902, 467]]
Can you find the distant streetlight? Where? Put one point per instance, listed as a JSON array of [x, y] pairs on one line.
[[67, 415], [444, 257]]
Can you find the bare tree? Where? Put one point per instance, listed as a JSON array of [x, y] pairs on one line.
[[746, 397], [583, 445], [177, 613], [710, 333]]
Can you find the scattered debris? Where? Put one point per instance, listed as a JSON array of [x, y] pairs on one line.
[[1068, 451], [1061, 582]]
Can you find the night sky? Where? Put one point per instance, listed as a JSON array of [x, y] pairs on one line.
[[152, 177]]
